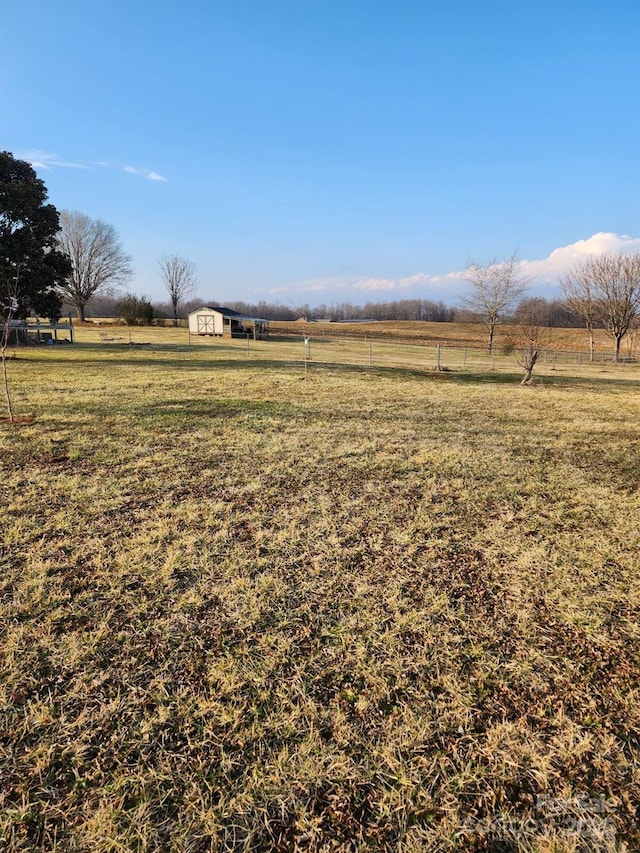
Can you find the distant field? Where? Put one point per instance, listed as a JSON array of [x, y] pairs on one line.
[[379, 608], [454, 334]]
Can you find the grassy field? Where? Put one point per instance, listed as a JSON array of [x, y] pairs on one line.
[[374, 609], [472, 335], [420, 347]]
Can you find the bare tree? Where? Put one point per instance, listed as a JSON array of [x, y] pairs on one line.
[[632, 337], [606, 289], [616, 281], [579, 296], [99, 262], [495, 288], [533, 337], [179, 278]]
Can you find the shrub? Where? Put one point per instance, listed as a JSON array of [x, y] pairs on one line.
[[136, 311]]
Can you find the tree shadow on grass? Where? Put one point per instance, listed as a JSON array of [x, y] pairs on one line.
[[451, 375]]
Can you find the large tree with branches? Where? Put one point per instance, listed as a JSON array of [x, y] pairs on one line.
[[179, 278], [605, 289], [494, 290], [617, 283], [98, 260], [31, 268]]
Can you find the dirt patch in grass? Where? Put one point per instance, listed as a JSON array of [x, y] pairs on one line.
[[17, 420]]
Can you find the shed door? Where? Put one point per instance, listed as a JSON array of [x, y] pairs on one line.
[[205, 324]]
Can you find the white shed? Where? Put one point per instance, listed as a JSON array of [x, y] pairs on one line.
[[226, 323]]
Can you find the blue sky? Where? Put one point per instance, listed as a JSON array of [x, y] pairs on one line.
[[319, 151]]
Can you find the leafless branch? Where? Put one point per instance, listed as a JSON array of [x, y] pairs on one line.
[[180, 279], [533, 338], [605, 289], [99, 261], [495, 288]]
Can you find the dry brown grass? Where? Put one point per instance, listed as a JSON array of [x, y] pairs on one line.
[[452, 334], [365, 611]]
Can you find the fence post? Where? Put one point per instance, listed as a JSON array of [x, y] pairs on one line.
[[438, 356]]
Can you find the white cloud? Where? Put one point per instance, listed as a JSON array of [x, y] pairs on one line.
[[398, 288], [543, 273], [550, 269], [317, 285], [282, 289], [409, 283], [144, 173], [272, 291], [375, 284], [45, 160]]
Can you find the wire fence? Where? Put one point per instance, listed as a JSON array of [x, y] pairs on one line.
[[322, 351], [400, 353]]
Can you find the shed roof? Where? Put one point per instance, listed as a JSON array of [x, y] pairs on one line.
[[229, 312]]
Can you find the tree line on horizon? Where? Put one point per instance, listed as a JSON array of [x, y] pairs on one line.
[[553, 312]]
